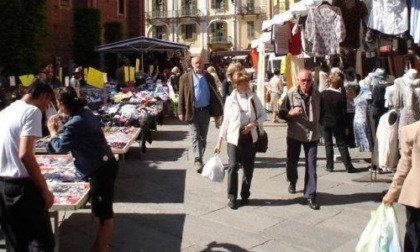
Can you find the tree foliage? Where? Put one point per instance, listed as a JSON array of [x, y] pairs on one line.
[[22, 29], [87, 35]]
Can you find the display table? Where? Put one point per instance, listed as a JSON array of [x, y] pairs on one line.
[[70, 191], [119, 138]]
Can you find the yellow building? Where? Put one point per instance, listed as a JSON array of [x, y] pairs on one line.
[[209, 25]]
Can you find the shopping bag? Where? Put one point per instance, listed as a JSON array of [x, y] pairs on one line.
[[381, 233], [214, 169]]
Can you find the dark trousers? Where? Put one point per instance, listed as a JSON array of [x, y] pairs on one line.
[[199, 127], [340, 138], [293, 153], [412, 227], [244, 153], [25, 222]]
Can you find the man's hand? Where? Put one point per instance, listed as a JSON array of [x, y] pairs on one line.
[[48, 197], [181, 117]]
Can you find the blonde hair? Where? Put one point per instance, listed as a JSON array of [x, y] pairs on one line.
[[335, 81], [232, 68], [211, 69], [239, 77]]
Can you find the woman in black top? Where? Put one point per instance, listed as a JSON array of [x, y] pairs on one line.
[[333, 122]]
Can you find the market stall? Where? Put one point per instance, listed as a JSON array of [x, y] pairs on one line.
[[70, 191]]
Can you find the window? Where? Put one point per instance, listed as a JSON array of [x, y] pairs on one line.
[[121, 7], [250, 29], [159, 31], [189, 31], [218, 4]]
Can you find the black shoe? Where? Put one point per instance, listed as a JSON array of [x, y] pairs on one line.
[[352, 170], [244, 201], [200, 170], [292, 188], [312, 204], [232, 204], [329, 169]]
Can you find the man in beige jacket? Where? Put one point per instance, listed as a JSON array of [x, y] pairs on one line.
[[406, 184]]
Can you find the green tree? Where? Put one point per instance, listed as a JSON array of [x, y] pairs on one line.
[[87, 35], [113, 32], [22, 29]]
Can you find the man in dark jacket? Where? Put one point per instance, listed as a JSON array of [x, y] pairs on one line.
[[301, 110], [199, 100]]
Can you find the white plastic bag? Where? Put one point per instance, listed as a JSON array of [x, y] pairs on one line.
[[381, 233], [214, 169]]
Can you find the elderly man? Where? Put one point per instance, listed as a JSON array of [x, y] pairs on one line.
[[199, 99], [301, 110]]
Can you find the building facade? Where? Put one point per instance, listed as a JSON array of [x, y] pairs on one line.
[[58, 42]]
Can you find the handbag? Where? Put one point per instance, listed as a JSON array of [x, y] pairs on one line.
[[261, 145]]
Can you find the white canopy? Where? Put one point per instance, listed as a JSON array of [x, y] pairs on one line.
[[298, 9]]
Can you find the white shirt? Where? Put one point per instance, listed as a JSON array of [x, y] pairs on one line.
[[18, 120], [389, 16]]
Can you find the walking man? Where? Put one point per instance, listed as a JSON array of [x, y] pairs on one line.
[[301, 110], [199, 99], [24, 194]]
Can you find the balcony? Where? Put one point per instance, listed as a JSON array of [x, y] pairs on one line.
[[156, 14], [218, 42], [249, 10], [189, 13]]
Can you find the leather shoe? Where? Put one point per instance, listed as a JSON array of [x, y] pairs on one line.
[[244, 202], [329, 169], [312, 204], [200, 170], [232, 204], [352, 170], [292, 188]]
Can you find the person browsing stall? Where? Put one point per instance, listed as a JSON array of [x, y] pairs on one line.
[[301, 110], [243, 113], [24, 194], [333, 123], [199, 99], [82, 135]]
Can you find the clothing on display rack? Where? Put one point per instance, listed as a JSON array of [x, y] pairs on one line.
[[387, 135]]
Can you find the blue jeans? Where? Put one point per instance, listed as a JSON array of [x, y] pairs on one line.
[[293, 153]]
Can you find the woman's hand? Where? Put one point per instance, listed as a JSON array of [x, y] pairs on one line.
[[388, 199], [52, 124]]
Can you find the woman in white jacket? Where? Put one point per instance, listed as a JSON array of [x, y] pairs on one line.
[[243, 112]]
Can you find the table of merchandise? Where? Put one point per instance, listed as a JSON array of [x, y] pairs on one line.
[[70, 191], [119, 138]]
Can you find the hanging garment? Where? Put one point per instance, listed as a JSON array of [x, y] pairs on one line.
[[362, 133], [415, 20], [352, 15], [295, 43], [325, 30], [387, 136], [281, 35], [389, 16]]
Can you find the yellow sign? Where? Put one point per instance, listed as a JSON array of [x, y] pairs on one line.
[[137, 65], [95, 78], [129, 74], [27, 79]]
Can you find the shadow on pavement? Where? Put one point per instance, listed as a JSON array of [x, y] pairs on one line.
[[132, 232], [214, 246], [170, 135], [327, 199]]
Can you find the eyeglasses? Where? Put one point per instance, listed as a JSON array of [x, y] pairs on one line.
[[305, 80]]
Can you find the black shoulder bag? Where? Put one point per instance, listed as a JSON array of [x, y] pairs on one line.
[[261, 145]]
